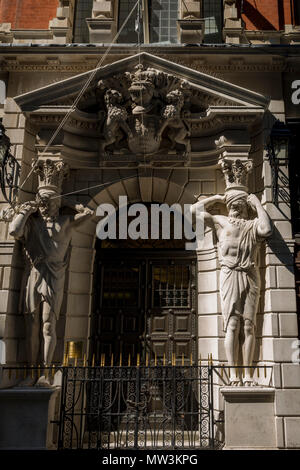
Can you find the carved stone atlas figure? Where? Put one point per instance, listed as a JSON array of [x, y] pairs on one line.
[[45, 235], [238, 240]]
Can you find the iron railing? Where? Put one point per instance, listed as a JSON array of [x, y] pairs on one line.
[[153, 407]]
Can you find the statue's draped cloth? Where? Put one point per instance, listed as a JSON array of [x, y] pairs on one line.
[[239, 279], [46, 276]]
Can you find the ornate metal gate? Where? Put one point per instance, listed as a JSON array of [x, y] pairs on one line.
[[137, 407]]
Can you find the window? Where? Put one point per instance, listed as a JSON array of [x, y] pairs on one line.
[[128, 34], [159, 21], [163, 16], [297, 12], [83, 10], [213, 15]]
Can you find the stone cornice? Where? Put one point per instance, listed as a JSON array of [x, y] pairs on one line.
[[278, 64], [218, 89], [125, 49]]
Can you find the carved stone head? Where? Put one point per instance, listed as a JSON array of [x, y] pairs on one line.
[[236, 202], [112, 97], [175, 97], [141, 92], [48, 202]]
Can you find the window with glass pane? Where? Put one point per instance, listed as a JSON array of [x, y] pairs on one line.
[[297, 12], [83, 10], [120, 287], [170, 286], [213, 16], [163, 17], [128, 34]]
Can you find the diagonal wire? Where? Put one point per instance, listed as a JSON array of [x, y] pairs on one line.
[[83, 90]]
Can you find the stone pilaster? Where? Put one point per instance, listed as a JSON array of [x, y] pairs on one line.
[[232, 23], [62, 25], [278, 299], [190, 22], [101, 25]]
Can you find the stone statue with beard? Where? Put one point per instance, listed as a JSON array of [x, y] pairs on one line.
[[46, 236], [238, 238]]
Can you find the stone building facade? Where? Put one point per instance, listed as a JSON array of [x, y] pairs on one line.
[[237, 66]]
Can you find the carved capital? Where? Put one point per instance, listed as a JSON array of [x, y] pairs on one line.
[[236, 173], [50, 174]]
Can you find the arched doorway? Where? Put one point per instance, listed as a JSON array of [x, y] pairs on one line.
[[144, 302]]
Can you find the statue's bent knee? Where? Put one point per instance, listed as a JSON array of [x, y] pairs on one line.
[[48, 329]]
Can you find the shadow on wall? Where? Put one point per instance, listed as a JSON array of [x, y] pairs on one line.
[[279, 247], [257, 19]]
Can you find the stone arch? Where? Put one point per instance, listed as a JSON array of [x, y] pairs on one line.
[[80, 274]]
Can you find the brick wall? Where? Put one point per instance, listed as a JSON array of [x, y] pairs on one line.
[[28, 14], [266, 15]]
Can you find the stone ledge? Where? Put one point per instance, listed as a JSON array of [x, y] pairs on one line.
[[248, 392]]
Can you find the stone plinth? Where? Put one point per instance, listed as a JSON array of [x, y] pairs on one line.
[[24, 418], [249, 418]]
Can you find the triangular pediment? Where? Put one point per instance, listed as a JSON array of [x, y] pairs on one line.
[[146, 108], [211, 91]]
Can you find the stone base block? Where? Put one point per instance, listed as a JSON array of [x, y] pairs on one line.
[[249, 418], [24, 418]]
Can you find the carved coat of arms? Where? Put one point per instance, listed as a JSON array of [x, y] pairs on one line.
[[145, 113]]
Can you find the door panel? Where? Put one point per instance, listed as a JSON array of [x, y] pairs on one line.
[[171, 317], [145, 304]]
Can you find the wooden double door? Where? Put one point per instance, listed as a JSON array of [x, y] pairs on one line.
[[144, 307]]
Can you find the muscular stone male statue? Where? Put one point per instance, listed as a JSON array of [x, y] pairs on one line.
[[238, 239], [46, 237]]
